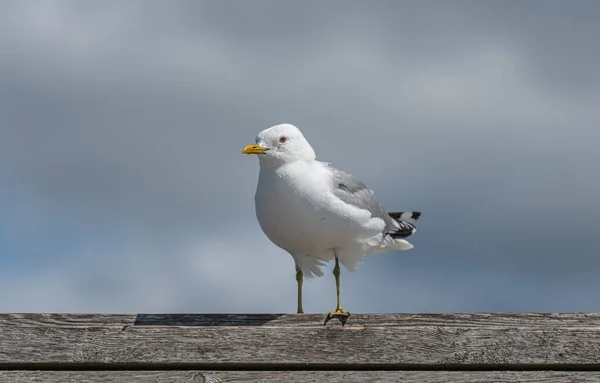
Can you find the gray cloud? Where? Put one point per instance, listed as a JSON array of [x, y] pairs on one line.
[[122, 125]]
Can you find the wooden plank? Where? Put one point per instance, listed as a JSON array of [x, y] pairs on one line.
[[297, 376], [367, 342], [583, 320]]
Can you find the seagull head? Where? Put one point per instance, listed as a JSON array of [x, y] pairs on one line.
[[281, 144]]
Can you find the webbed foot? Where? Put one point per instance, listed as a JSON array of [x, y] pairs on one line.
[[339, 314]]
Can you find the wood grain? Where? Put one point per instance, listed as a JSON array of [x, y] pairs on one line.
[[297, 376], [583, 320], [388, 341]]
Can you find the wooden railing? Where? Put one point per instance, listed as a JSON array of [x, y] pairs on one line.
[[213, 348]]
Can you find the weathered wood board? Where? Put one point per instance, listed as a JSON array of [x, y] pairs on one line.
[[298, 376], [367, 341], [290, 347]]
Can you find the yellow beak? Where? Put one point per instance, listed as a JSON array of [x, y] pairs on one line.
[[254, 149]]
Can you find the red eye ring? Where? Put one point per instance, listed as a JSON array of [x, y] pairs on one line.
[[282, 139]]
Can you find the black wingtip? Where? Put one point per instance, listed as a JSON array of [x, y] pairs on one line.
[[413, 214]]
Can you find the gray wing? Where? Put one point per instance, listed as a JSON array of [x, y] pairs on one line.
[[354, 192]]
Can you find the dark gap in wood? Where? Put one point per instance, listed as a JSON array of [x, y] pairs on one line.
[[291, 367], [205, 320]]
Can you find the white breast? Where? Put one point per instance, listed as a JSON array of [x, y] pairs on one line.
[[300, 214]]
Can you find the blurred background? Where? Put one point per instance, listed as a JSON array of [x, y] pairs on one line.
[[123, 187]]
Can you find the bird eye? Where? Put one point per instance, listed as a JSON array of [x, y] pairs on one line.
[[282, 139]]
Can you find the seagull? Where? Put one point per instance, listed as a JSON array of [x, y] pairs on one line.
[[318, 213]]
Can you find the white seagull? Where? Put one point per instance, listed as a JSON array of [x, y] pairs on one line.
[[318, 213]]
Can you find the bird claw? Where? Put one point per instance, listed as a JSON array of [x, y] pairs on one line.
[[339, 314]]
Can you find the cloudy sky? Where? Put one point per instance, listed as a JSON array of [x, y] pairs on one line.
[[123, 187]]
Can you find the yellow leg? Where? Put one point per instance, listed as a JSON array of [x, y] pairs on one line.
[[339, 312], [299, 279], [336, 274]]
